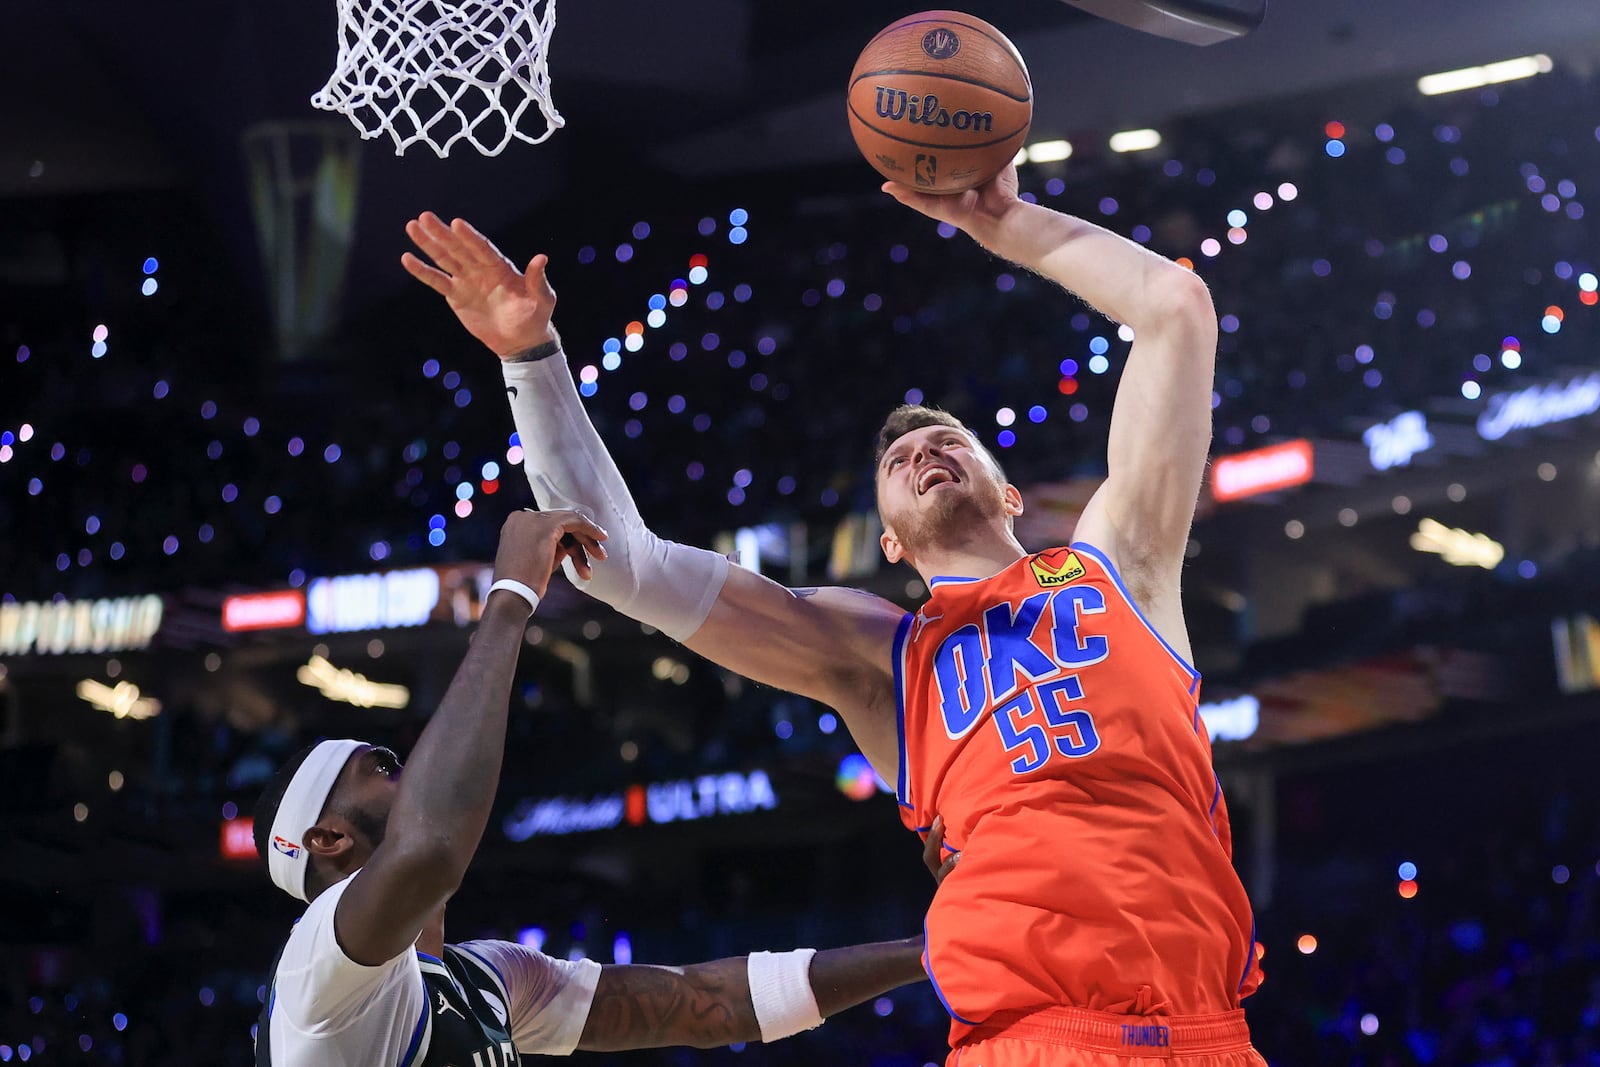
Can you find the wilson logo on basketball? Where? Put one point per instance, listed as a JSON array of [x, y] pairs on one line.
[[941, 43], [1050, 570], [897, 106]]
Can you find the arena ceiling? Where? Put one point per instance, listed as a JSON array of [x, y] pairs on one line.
[[105, 97], [106, 103]]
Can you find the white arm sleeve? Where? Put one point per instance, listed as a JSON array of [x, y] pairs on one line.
[[320, 991], [548, 998], [667, 585]]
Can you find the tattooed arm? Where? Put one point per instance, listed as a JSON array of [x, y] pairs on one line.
[[707, 1005]]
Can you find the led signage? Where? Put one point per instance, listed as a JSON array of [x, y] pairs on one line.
[[1394, 443], [1457, 547], [1539, 405], [1231, 720], [371, 601], [123, 701], [1261, 471], [348, 687], [657, 804], [64, 627], [239, 838], [264, 611], [1577, 647]]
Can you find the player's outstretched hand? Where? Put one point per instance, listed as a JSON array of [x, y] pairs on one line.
[[979, 212], [933, 852], [533, 545], [505, 308]]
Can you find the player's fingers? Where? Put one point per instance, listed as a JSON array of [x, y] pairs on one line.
[[579, 543], [575, 548], [592, 547], [933, 847], [433, 249], [899, 192], [538, 278], [577, 537], [947, 866], [580, 562], [579, 524], [432, 277], [435, 238], [419, 236], [475, 245], [935, 207]]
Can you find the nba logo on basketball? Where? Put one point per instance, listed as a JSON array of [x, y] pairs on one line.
[[927, 169], [288, 848], [941, 43], [1050, 570]]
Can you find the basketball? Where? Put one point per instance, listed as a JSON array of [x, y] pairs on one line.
[[940, 101]]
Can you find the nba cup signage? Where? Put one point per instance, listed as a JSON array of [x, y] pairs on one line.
[[1262, 471], [66, 627], [371, 601], [1232, 720]]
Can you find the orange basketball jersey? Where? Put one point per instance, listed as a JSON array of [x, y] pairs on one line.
[[1060, 738]]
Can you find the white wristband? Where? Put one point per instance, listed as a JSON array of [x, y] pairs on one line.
[[780, 991], [511, 585]]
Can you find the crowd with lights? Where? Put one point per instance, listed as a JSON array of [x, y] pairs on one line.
[[1361, 266]]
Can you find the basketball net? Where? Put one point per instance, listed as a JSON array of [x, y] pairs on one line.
[[443, 70]]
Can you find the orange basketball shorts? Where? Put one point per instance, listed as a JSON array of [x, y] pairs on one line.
[[1072, 1037]]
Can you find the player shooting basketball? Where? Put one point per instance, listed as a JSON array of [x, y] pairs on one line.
[[366, 977], [1041, 707]]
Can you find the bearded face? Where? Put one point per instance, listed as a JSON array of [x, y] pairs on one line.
[[932, 483]]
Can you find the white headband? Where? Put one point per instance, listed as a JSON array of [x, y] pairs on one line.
[[299, 810]]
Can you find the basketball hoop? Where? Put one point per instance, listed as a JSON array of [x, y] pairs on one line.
[[436, 71]]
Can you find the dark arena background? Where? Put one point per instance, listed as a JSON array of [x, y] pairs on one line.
[[251, 477]]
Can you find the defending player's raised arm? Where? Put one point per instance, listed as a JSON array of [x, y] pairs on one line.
[[448, 787], [760, 998], [831, 646], [1161, 422]]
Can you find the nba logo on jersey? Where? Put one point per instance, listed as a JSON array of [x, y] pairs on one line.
[[1050, 569], [288, 848]]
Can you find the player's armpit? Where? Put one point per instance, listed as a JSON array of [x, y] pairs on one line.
[[833, 644]]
